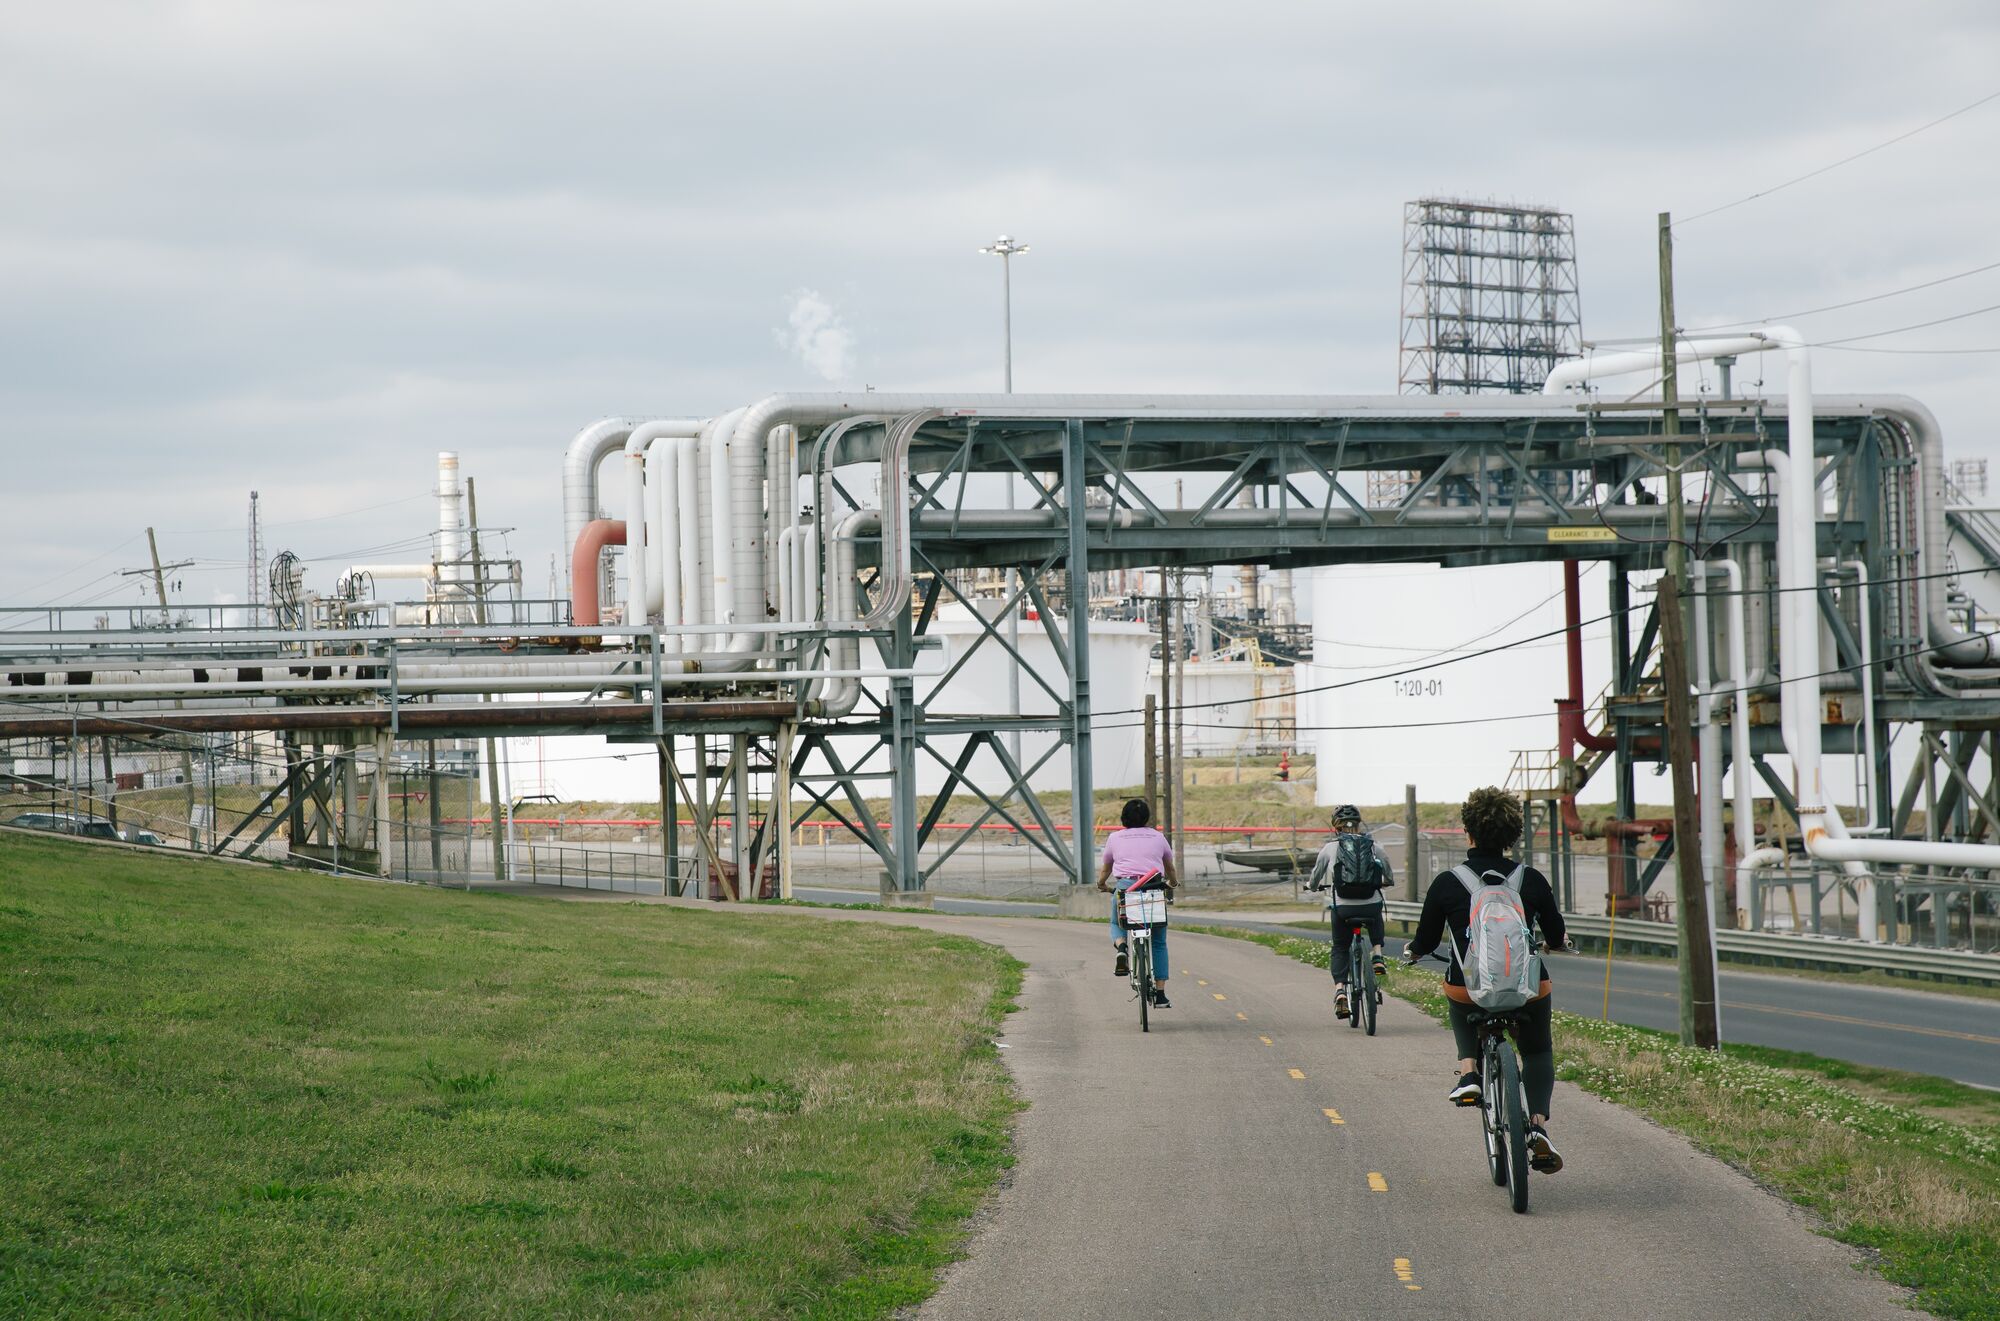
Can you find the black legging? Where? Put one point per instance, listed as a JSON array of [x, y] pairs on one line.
[[1534, 1038]]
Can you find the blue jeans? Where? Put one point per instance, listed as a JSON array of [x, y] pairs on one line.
[[1159, 936]]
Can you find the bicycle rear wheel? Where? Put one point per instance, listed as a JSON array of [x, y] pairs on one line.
[[1490, 1114], [1142, 977], [1355, 979], [1516, 1128], [1368, 988]]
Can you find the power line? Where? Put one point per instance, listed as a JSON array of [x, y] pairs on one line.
[[1845, 160], [1919, 325], [1853, 302]]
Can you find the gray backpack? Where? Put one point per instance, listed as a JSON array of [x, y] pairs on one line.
[[1501, 969]]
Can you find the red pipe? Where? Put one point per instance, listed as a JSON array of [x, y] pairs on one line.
[[1571, 730], [583, 558]]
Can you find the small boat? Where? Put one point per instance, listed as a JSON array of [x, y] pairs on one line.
[[1298, 859]]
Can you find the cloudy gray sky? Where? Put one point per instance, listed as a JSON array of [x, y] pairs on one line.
[[301, 247]]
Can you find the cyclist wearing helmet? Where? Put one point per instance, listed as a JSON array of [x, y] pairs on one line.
[[1492, 820], [1355, 891], [1139, 854]]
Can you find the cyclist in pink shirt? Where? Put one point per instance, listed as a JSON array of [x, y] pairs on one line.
[[1137, 853]]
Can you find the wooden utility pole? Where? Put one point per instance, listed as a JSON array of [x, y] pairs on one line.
[[1412, 844], [1152, 759], [1697, 953], [492, 745]]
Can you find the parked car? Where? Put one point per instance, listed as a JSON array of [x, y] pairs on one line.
[[143, 837], [60, 823], [66, 823]]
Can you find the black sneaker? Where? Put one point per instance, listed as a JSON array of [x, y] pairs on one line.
[[1467, 1091], [1160, 1000], [1123, 967], [1381, 968], [1543, 1158], [1340, 1009]]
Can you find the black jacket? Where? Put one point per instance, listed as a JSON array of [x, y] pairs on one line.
[[1448, 906]]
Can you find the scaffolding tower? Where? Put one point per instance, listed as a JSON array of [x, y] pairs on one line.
[[1489, 296]]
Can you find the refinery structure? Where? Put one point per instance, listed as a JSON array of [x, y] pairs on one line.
[[814, 604]]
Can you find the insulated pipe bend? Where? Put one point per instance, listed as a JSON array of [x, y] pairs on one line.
[[584, 556], [588, 448]]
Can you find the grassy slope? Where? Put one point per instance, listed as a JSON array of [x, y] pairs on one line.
[[247, 1091], [1903, 1165]]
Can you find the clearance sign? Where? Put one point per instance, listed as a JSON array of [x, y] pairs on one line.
[[1582, 534]]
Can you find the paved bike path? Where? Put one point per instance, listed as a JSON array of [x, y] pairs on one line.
[[1250, 1157], [1195, 1172]]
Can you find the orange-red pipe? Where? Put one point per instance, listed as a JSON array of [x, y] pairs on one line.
[[583, 560]]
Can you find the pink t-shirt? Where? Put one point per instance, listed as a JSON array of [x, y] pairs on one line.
[[1136, 851]]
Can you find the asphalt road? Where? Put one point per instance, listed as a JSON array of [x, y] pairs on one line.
[[1951, 1036]]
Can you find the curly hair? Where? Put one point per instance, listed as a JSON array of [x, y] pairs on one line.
[[1492, 818]]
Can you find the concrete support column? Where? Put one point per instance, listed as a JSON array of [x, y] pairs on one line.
[[385, 760], [1077, 642]]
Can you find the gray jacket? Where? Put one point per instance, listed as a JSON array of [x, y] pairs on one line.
[[1322, 875]]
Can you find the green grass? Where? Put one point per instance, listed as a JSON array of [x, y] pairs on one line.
[[1903, 1165], [237, 1090]]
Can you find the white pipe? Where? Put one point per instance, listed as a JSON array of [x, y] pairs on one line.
[[1709, 738], [687, 493], [1739, 728], [644, 552], [722, 560], [1576, 371], [653, 475], [451, 519], [1868, 822], [588, 448], [663, 466], [783, 563], [635, 530]]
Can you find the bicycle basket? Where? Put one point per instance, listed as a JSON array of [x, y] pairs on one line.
[[1144, 908]]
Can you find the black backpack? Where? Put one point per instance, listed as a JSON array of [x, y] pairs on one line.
[[1356, 873]]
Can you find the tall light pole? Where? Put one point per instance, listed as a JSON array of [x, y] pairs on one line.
[[1004, 248]]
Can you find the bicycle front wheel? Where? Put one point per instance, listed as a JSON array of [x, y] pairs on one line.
[[1516, 1128]]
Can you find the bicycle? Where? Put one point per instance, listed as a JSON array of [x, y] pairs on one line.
[[1143, 909], [1503, 1102], [1363, 994]]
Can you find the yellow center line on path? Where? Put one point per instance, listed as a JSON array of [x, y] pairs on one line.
[[1199, 982], [1265, 1040], [1333, 1117], [1406, 1275], [1218, 995], [1376, 1183], [1297, 1073], [1242, 1016]]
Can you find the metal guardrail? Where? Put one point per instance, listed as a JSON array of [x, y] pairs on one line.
[[1766, 947]]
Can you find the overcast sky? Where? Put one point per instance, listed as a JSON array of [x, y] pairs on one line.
[[302, 247]]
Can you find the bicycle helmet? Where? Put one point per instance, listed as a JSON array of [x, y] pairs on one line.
[[1347, 814]]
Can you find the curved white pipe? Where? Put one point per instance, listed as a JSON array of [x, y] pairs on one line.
[[644, 552], [635, 531], [663, 464], [588, 448], [687, 494], [1739, 726]]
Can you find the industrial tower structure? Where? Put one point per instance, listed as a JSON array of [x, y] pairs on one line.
[[1489, 296]]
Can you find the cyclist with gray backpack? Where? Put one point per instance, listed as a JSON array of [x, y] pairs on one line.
[[1489, 906], [1356, 871]]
